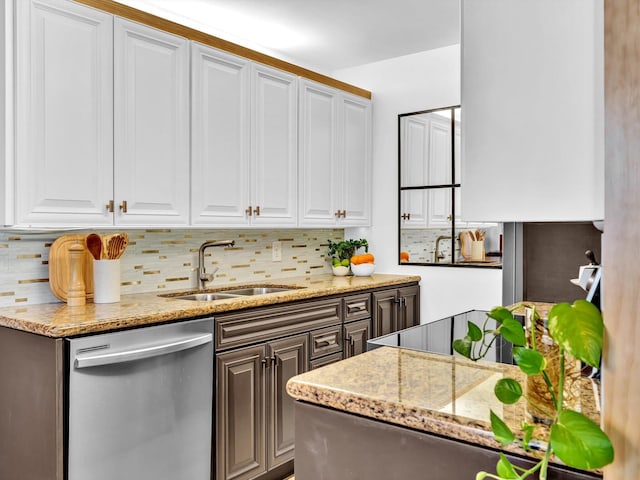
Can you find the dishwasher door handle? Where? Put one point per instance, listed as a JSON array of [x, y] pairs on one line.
[[84, 360]]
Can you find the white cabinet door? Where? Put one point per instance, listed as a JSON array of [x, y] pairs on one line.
[[439, 199], [220, 109], [335, 157], [413, 211], [355, 152], [151, 109], [64, 119], [415, 151], [274, 155], [320, 170]]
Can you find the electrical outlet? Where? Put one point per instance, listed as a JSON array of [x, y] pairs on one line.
[[276, 251]]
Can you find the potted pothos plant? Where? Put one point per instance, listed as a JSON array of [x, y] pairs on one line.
[[577, 331], [341, 253]]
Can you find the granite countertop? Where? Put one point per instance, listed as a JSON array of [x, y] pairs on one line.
[[440, 394], [60, 320]]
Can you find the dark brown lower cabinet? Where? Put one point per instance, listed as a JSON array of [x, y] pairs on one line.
[[356, 335], [254, 414], [338, 445], [31, 406], [395, 309]]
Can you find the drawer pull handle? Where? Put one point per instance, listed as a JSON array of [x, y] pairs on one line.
[[357, 307], [325, 341]]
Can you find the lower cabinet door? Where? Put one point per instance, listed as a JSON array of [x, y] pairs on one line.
[[356, 335], [287, 358], [240, 413], [409, 306], [385, 312]]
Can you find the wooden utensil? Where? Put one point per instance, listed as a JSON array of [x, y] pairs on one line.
[[105, 245], [117, 245], [94, 245]]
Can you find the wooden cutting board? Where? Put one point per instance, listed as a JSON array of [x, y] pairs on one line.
[[59, 270]]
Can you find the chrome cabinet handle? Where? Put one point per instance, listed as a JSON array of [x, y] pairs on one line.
[[84, 360]]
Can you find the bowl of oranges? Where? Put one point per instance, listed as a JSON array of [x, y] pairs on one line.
[[363, 265]]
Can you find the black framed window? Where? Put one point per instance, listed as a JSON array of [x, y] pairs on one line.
[[430, 229]]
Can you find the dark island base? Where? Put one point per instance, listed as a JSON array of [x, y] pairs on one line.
[[333, 445]]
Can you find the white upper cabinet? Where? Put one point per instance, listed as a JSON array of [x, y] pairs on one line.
[[151, 110], [64, 119], [354, 128], [120, 124], [320, 168], [335, 157], [274, 143], [244, 141], [220, 149], [532, 100]]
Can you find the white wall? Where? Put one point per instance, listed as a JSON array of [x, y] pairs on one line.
[[421, 81]]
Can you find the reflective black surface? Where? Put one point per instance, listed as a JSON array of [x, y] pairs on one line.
[[437, 337]]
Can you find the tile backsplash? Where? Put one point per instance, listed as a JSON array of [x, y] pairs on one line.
[[167, 259]]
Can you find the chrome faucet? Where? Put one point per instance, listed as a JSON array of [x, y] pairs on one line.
[[437, 256], [203, 276]]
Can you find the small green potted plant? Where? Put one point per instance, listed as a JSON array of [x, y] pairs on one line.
[[576, 331], [341, 253]]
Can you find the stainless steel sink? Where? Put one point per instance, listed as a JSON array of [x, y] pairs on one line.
[[205, 297], [226, 293], [257, 290]]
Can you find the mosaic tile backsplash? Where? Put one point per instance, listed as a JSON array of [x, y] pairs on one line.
[[164, 259]]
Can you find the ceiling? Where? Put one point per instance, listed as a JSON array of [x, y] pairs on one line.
[[324, 35]]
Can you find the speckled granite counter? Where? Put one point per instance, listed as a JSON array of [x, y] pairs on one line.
[[60, 320], [434, 393]]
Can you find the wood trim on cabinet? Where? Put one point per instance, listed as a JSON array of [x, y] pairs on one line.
[[151, 20]]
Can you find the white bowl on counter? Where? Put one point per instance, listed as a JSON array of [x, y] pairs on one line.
[[363, 269], [340, 271]]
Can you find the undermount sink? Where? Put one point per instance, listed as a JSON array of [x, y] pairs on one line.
[[257, 290], [227, 293]]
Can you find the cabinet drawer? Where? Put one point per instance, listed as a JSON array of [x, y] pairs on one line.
[[325, 341], [322, 361], [357, 307], [263, 324]]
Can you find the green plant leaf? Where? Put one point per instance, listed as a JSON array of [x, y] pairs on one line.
[[473, 332], [578, 329], [505, 469], [530, 361], [508, 390], [500, 430], [462, 346], [500, 314], [579, 442], [513, 332], [527, 430]]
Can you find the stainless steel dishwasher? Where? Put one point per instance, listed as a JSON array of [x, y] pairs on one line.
[[141, 402]]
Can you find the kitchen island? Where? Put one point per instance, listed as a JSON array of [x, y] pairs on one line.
[[400, 413]]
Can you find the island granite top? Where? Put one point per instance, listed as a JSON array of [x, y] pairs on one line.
[[440, 394], [61, 320]]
